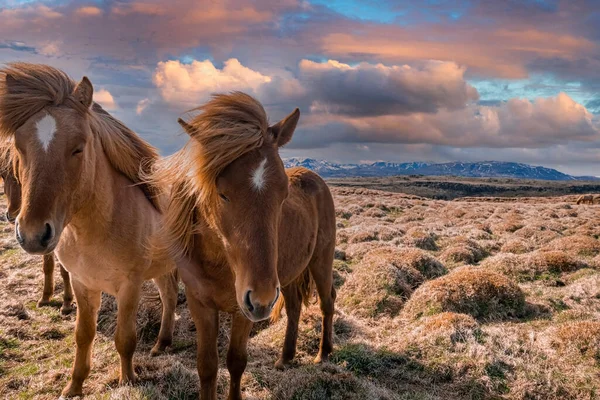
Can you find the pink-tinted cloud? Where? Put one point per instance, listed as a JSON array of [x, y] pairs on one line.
[[105, 99], [194, 83], [499, 53]]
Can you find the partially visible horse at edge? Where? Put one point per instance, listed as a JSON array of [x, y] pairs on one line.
[[82, 197], [12, 190], [243, 229], [585, 199]]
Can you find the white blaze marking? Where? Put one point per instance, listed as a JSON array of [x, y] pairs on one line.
[[258, 176], [46, 128]]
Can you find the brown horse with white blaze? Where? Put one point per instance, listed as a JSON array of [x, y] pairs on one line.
[[82, 197], [244, 229], [12, 190]]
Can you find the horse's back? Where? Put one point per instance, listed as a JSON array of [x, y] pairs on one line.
[[307, 223], [310, 185]]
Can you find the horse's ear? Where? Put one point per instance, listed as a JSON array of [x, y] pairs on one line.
[[186, 127], [283, 130], [84, 92]]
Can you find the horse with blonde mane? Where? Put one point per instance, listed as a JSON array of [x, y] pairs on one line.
[[83, 198], [12, 190], [243, 229]]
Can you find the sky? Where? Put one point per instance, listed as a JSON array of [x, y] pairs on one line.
[[402, 81]]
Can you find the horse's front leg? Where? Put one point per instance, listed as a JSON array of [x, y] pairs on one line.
[[48, 280], [128, 299], [88, 303], [207, 330], [237, 355]]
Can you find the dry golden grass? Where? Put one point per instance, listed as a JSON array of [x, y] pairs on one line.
[[519, 321]]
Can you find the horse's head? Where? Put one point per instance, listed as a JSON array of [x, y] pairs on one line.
[[245, 212], [54, 149]]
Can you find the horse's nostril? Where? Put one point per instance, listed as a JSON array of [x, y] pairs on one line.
[[47, 236], [247, 301]]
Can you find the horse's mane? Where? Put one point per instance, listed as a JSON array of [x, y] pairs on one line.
[[26, 89], [225, 128]]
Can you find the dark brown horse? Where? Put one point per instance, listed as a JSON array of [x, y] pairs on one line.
[[244, 229], [12, 189]]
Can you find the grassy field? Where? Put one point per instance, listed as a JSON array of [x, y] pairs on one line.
[[436, 299], [452, 187]]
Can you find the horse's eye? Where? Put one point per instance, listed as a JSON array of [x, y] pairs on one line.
[[223, 197], [77, 151]]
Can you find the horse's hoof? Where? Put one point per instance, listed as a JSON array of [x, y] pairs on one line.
[[282, 364], [66, 310], [43, 303], [71, 391], [129, 380], [160, 348], [321, 358], [157, 351]]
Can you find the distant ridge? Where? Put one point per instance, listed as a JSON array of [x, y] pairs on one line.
[[483, 169]]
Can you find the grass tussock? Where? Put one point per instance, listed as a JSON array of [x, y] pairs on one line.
[[480, 293], [533, 266]]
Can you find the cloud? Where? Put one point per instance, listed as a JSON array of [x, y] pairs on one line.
[[194, 83], [377, 89], [89, 11], [142, 105], [487, 52], [429, 103], [540, 123], [143, 30], [105, 99]]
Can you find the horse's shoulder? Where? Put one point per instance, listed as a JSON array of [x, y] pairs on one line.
[[306, 180]]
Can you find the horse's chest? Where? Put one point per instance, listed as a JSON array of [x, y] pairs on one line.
[[212, 287], [99, 267]]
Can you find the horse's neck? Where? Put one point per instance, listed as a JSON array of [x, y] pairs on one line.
[[212, 249], [97, 209]]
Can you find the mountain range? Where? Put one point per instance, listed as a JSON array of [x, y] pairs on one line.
[[483, 169]]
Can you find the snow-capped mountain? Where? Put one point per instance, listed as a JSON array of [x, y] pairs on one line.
[[487, 169]]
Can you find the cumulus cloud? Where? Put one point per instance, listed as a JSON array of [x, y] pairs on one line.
[[515, 123], [105, 99], [195, 82], [377, 89]]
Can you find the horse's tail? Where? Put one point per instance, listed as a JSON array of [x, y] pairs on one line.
[[305, 287]]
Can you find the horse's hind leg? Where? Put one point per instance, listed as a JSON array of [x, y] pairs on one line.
[[48, 280], [128, 299], [67, 305], [321, 269], [88, 303], [168, 288], [293, 306]]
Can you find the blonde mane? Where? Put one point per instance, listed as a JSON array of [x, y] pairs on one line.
[[26, 89], [225, 128]]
